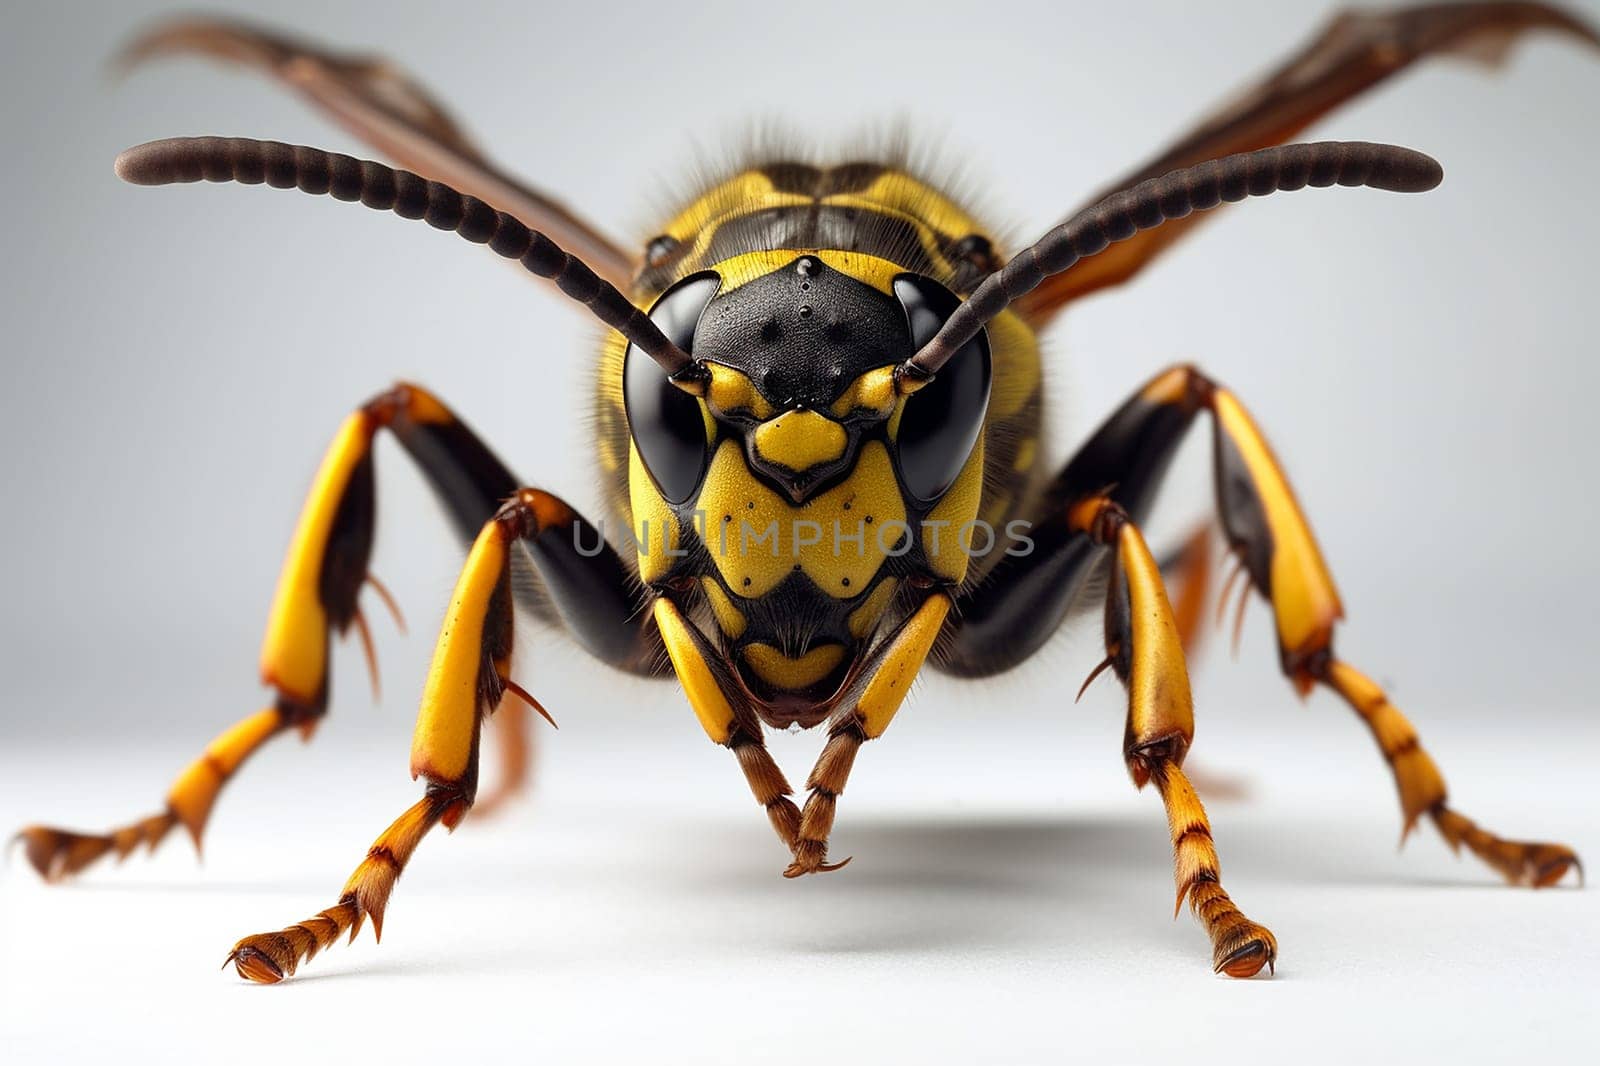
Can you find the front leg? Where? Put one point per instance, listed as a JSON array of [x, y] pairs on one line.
[[868, 706], [470, 676], [886, 678], [724, 713]]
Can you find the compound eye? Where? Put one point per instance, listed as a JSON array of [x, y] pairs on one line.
[[664, 421], [942, 420]]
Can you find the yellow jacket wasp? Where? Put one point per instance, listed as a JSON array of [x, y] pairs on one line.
[[818, 410]]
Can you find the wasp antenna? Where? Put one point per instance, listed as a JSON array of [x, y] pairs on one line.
[[383, 188], [1172, 196]]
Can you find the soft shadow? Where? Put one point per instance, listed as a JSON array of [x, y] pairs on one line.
[[1004, 855]]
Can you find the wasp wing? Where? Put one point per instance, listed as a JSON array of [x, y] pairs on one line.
[[1354, 52], [385, 107]]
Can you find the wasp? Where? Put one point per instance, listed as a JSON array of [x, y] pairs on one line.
[[818, 412]]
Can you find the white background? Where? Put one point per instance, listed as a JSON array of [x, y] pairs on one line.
[[176, 360]]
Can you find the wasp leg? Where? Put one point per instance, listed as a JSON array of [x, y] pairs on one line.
[[318, 588], [381, 104], [887, 677], [1190, 566], [718, 702], [1354, 52], [468, 679], [1269, 534], [1144, 650], [724, 713], [1273, 543]]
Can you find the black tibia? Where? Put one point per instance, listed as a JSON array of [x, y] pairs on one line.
[[596, 597], [588, 589], [469, 480], [1022, 602], [594, 592], [345, 559], [1007, 618]]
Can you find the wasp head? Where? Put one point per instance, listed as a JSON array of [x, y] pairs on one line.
[[797, 475]]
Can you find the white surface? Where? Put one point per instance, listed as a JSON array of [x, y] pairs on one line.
[[1010, 901]]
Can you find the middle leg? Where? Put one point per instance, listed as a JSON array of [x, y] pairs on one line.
[[865, 711]]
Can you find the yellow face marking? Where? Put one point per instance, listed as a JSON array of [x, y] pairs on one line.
[[800, 440], [783, 672], [949, 534], [838, 539], [729, 618], [447, 720], [868, 269], [1304, 598], [872, 392], [294, 653], [655, 527], [732, 391], [699, 684], [865, 617], [907, 651]]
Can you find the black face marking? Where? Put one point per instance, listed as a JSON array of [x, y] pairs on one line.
[[663, 420], [803, 332], [942, 420]]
